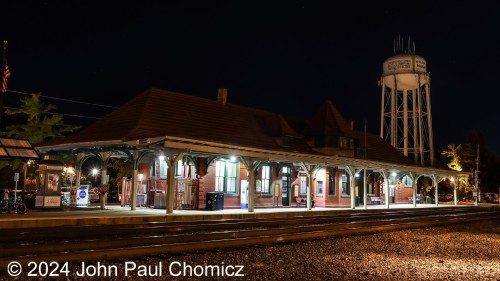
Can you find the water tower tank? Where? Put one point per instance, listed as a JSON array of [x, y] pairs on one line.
[[406, 121]]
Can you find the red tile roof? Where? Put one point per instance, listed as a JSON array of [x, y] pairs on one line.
[[159, 113]]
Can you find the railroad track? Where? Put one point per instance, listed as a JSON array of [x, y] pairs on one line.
[[104, 242]]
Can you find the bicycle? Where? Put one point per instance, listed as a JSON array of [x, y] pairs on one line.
[[9, 203]]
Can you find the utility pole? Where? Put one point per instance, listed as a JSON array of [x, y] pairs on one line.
[[476, 177]]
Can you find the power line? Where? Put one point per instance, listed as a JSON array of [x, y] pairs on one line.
[[64, 114], [61, 99]]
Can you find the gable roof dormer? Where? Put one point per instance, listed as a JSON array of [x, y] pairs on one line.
[[328, 121]]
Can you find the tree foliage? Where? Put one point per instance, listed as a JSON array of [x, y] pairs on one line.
[[123, 169], [36, 124], [39, 124], [452, 152], [471, 156]]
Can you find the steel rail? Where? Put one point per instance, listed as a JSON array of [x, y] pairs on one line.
[[232, 239], [93, 231]]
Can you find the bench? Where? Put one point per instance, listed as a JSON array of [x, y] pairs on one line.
[[302, 201], [374, 200]]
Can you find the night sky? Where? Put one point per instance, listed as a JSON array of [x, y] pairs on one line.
[[287, 57]]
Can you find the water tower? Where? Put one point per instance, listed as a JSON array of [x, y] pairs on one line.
[[406, 120]]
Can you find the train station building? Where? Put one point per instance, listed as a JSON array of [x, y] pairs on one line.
[[192, 153]]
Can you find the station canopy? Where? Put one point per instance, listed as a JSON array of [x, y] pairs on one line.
[[17, 149]]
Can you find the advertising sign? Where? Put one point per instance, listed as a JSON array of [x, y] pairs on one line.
[[52, 201], [82, 196], [39, 201]]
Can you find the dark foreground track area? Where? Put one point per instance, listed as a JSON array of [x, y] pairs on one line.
[[463, 250], [466, 251]]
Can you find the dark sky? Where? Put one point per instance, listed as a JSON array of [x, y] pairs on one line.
[[287, 57]]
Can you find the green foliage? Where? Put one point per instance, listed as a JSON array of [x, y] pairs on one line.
[[35, 123], [123, 168], [453, 153], [38, 126], [467, 155]]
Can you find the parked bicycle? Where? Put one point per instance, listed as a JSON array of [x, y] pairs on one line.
[[9, 203]]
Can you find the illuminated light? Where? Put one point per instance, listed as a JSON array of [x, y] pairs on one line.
[[356, 175], [69, 170], [161, 157], [232, 158], [95, 171], [394, 174], [141, 176]]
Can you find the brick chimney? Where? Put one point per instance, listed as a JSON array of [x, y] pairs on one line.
[[222, 95]]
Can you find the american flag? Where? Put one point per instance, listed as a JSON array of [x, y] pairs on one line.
[[6, 75]]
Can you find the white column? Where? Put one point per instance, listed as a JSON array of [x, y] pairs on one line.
[[455, 187], [251, 191], [104, 175], [251, 165], [365, 197], [435, 183], [414, 188], [172, 161], [133, 204], [387, 188]]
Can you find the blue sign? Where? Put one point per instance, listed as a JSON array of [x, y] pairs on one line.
[[82, 194]]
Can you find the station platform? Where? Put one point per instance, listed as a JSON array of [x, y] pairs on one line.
[[115, 214]]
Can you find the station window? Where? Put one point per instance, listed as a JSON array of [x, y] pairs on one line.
[[178, 169], [163, 169], [303, 185], [345, 185], [226, 176], [319, 188], [266, 179], [160, 169], [285, 170], [331, 181], [407, 181]]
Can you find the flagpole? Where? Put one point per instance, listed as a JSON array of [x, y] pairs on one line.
[[4, 64]]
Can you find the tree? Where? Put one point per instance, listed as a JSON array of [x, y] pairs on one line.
[[40, 125], [37, 124], [464, 157], [459, 159], [455, 163], [477, 148], [122, 168]]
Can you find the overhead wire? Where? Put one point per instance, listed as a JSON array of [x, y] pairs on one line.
[[65, 100], [61, 99], [64, 114]]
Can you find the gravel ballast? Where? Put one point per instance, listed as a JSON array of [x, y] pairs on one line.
[[455, 252]]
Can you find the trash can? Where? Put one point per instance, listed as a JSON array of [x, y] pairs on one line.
[[220, 201], [215, 201]]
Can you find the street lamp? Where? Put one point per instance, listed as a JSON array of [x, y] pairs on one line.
[[95, 171]]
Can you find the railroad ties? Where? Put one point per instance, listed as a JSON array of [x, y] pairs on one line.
[[109, 242]]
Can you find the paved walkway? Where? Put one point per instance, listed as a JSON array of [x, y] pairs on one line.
[[115, 214]]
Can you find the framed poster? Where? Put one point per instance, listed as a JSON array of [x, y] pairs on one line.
[[277, 190], [52, 182]]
